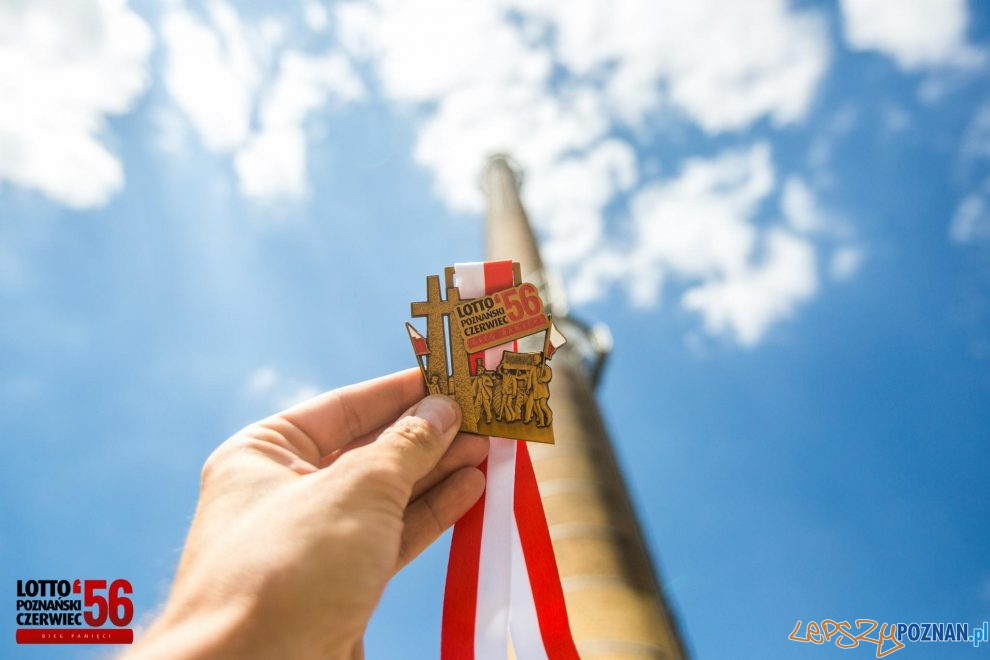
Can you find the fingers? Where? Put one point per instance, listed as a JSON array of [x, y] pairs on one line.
[[467, 450], [417, 441], [387, 469], [439, 508], [334, 418]]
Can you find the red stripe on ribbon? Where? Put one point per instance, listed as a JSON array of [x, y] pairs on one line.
[[541, 564], [498, 276], [460, 595]]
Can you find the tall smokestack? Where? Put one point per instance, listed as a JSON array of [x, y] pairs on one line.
[[614, 601]]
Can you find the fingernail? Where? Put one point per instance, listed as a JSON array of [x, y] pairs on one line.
[[439, 410]]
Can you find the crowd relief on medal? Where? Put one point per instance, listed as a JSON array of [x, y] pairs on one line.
[[518, 390]]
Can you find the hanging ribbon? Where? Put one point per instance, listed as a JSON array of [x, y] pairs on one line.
[[502, 579]]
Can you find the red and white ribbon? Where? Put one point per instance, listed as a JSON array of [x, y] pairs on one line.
[[502, 579]]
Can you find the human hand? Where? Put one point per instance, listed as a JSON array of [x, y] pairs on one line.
[[304, 516]]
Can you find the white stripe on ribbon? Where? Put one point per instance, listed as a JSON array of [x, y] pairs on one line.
[[470, 279], [495, 565]]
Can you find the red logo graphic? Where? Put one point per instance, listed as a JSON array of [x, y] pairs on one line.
[[57, 612]]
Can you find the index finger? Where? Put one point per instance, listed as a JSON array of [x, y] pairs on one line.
[[334, 418]]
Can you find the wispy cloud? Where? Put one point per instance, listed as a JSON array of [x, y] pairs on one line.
[[214, 69], [976, 138], [64, 69], [272, 162], [699, 230], [846, 262], [971, 221], [217, 74], [277, 391]]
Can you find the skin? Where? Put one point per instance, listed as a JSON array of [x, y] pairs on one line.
[[304, 517]]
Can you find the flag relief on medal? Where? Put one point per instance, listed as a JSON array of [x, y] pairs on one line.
[[499, 346], [503, 591]]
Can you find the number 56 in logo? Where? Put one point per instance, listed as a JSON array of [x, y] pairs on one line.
[[115, 606]]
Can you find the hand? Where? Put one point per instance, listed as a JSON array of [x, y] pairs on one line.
[[304, 517]]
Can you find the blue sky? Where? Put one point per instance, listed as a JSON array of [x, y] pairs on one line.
[[782, 211]]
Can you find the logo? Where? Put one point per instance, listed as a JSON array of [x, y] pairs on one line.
[[869, 631], [501, 317], [74, 612]]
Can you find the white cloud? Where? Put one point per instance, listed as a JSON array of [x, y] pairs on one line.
[[316, 15], [11, 271], [723, 64], [895, 118], [916, 34], [800, 208], [699, 230], [272, 162], [846, 262], [976, 138], [171, 134], [261, 380], [697, 223], [805, 215], [804, 212], [971, 222], [64, 69], [748, 301], [828, 134], [213, 72], [492, 96], [277, 390], [569, 197], [217, 75]]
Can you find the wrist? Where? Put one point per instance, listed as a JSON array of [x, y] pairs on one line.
[[230, 630], [197, 632]]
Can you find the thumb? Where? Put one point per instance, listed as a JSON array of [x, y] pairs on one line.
[[409, 449]]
